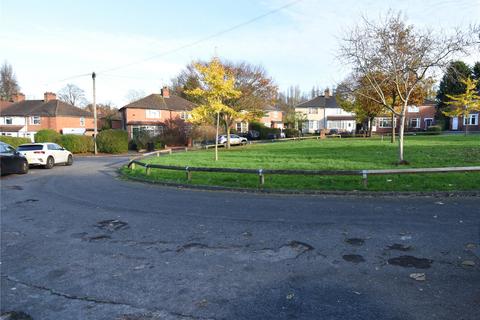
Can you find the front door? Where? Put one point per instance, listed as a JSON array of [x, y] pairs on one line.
[[455, 123]]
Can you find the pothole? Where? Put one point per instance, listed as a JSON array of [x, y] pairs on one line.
[[355, 241], [97, 237], [411, 262], [111, 225], [399, 247], [15, 315], [354, 258]]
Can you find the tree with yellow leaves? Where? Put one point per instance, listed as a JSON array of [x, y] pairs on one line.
[[464, 103], [217, 86]]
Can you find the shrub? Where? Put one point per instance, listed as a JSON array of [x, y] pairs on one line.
[[291, 133], [14, 141], [47, 135], [112, 141], [141, 140], [76, 144], [265, 132], [435, 128]]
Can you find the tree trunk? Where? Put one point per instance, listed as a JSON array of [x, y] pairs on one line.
[[401, 159], [228, 137], [465, 120], [216, 137], [370, 123], [393, 128]]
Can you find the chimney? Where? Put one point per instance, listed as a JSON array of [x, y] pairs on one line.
[[18, 97], [48, 96], [327, 92], [165, 92]]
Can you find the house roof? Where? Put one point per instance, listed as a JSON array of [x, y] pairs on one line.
[[157, 101], [4, 105], [320, 102], [52, 108]]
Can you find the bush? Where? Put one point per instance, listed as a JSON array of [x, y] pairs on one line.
[[14, 141], [435, 128], [265, 132], [47, 135], [112, 141], [291, 133], [141, 140], [76, 144]]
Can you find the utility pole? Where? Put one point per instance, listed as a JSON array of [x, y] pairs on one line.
[[94, 116]]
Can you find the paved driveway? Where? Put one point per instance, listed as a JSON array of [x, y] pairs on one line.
[[79, 243]]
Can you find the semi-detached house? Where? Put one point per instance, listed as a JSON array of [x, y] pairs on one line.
[[24, 118], [149, 114], [323, 113]]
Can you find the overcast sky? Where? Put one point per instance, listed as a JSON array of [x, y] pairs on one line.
[[49, 41]]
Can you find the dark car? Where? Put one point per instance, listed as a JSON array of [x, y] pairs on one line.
[[11, 161]]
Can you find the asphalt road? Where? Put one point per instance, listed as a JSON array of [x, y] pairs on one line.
[[80, 243]]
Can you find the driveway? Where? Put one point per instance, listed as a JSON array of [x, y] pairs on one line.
[[80, 243]]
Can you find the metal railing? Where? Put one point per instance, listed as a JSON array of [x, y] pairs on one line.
[[364, 174]]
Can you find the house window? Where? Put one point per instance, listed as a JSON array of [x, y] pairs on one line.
[[82, 121], [312, 110], [413, 109], [152, 131], [312, 124], [415, 123], [35, 120], [8, 120], [472, 120], [152, 114], [428, 122], [275, 114], [184, 115], [385, 122]]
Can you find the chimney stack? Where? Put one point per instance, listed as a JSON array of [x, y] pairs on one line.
[[327, 92], [18, 97], [48, 96], [165, 92]]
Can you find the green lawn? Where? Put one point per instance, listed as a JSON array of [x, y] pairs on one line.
[[334, 154]]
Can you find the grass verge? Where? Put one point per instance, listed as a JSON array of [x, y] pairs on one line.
[[425, 151]]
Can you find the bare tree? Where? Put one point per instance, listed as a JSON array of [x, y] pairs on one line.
[[404, 55], [73, 95], [8, 82], [134, 95]]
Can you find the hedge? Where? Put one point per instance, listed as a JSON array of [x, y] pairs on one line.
[[14, 141], [76, 144], [112, 141], [47, 135]]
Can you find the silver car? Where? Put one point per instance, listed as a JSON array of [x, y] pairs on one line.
[[234, 140]]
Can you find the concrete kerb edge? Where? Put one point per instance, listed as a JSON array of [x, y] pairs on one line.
[[434, 194]]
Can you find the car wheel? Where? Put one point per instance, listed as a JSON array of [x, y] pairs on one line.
[[24, 167], [50, 163], [69, 160], [244, 143]]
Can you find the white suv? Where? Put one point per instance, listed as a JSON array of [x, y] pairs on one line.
[[45, 154]]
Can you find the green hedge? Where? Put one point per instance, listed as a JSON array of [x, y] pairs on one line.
[[76, 144], [263, 130], [112, 141], [14, 141], [47, 135]]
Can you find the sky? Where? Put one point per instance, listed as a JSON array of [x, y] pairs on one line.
[[129, 44]]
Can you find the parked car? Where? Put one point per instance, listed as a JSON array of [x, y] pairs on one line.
[[234, 139], [45, 154], [11, 161]]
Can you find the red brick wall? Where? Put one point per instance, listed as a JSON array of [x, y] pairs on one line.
[[425, 112], [57, 123]]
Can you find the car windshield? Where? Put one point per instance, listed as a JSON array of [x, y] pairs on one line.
[[30, 147]]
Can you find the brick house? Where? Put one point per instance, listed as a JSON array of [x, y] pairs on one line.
[[459, 123], [150, 113], [24, 118], [323, 112], [272, 118], [417, 118]]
